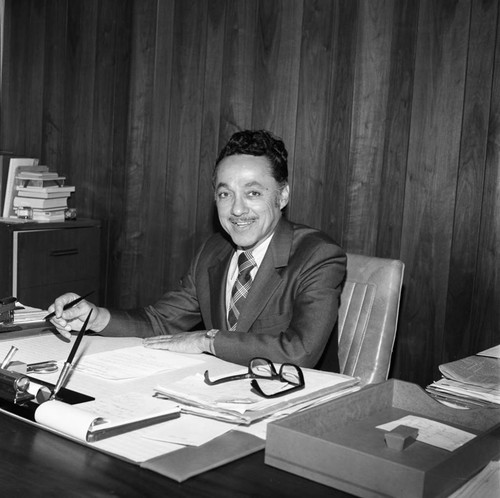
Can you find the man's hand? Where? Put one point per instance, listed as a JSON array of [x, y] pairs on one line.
[[183, 342], [73, 318]]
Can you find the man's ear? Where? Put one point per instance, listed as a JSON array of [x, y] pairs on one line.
[[284, 195]]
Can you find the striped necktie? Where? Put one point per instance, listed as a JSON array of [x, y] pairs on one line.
[[240, 288]]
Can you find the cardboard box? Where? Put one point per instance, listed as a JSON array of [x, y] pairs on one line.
[[338, 444]]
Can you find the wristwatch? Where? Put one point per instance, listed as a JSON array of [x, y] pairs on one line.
[[210, 334]]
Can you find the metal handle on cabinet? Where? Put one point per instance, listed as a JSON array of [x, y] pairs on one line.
[[64, 252]]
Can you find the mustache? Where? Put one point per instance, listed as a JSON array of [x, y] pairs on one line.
[[234, 219]]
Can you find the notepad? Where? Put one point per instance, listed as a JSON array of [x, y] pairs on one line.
[[97, 420]]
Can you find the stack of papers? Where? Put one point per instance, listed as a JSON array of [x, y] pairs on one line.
[[471, 382], [236, 401], [27, 314]]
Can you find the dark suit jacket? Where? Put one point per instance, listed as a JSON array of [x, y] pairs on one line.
[[288, 316]]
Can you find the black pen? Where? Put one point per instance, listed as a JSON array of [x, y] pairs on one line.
[[69, 305], [67, 366]]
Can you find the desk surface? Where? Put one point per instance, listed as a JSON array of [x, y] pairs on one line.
[[35, 462]]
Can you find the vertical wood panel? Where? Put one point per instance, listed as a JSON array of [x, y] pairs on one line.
[[184, 135], [312, 113], [278, 37], [397, 129], [33, 86], [340, 113], [368, 124], [79, 100], [109, 126], [54, 85], [431, 182], [471, 176], [113, 220], [206, 219], [238, 67], [22, 130], [156, 212], [133, 270]]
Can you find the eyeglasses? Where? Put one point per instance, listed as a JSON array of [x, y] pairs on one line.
[[262, 368]]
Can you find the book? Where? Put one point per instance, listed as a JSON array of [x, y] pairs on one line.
[[56, 181], [43, 195], [34, 202], [16, 166], [96, 420], [4, 170], [37, 175], [45, 192], [47, 215]]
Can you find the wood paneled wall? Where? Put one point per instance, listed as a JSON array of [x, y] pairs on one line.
[[390, 110]]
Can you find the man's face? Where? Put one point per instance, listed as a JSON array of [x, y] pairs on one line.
[[249, 200]]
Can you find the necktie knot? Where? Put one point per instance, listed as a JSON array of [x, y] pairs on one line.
[[245, 262]]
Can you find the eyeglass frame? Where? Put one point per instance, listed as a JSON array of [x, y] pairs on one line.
[[255, 385]]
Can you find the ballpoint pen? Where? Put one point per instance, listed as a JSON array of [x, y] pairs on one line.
[[67, 366], [69, 305]]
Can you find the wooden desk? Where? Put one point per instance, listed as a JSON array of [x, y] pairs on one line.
[[36, 463]]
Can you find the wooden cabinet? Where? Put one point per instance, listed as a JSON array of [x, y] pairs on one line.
[[40, 261]]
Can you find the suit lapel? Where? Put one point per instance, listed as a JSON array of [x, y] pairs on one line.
[[268, 278]]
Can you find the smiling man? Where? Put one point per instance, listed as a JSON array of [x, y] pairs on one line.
[[264, 288]]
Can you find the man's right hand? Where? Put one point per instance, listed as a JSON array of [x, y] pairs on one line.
[[73, 318]]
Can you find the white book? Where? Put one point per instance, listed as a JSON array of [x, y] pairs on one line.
[[34, 202], [37, 175], [21, 192], [16, 166], [49, 189]]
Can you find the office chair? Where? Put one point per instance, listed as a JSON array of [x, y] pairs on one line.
[[368, 316]]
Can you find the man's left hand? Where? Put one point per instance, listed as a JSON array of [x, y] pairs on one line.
[[183, 342]]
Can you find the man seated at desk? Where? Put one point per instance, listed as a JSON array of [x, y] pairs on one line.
[[286, 277]]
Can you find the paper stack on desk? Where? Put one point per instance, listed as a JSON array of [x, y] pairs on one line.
[[470, 382], [236, 402], [28, 314]]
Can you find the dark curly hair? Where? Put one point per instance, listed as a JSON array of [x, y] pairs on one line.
[[258, 143]]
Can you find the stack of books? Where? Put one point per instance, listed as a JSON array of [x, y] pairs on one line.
[[42, 195]]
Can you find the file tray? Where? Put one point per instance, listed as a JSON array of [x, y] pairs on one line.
[[338, 444]]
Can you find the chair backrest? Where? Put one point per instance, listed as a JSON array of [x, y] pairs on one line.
[[368, 316]]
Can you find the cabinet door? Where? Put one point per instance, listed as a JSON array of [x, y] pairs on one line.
[[51, 262]]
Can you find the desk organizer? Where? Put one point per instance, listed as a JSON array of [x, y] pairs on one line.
[[338, 444]]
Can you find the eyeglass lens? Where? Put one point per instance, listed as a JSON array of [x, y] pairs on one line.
[[262, 368], [290, 373]]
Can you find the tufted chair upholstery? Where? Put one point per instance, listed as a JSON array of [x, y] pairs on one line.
[[368, 316]]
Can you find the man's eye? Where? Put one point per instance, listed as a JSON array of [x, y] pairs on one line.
[[222, 195], [254, 193]]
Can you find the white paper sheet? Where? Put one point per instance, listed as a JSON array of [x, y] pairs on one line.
[[431, 432], [188, 430], [132, 363]]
